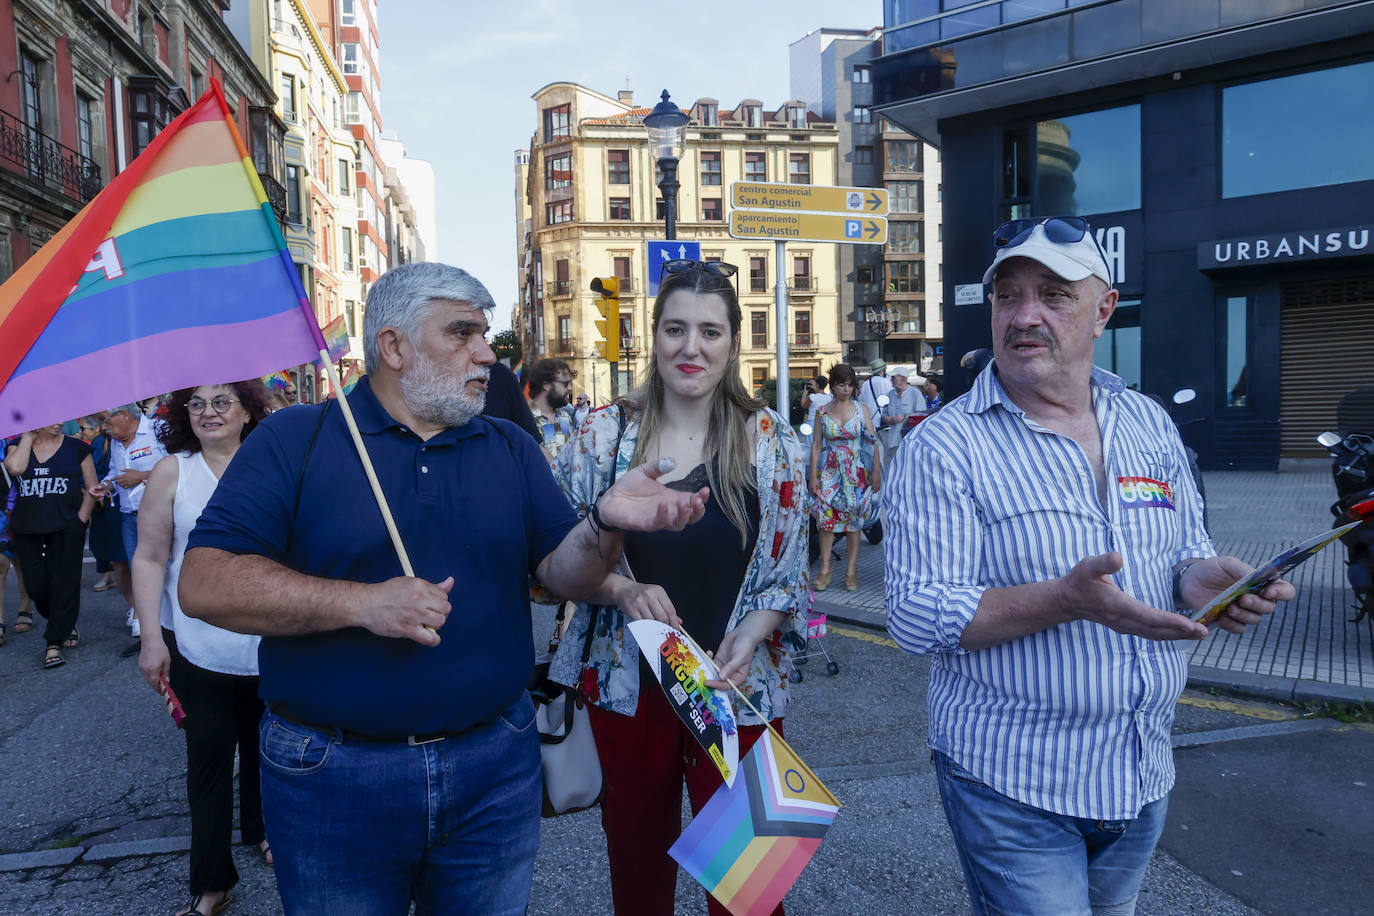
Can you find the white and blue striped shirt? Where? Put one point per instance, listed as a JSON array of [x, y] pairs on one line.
[[1074, 719]]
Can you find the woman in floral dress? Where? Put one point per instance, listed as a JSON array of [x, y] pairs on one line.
[[841, 458]]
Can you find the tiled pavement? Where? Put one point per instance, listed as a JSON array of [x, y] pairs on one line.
[[1308, 650]]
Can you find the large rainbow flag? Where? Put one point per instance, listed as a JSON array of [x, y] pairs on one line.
[[176, 274], [750, 842]]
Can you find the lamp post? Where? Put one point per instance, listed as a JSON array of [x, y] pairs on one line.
[[667, 127], [882, 322]]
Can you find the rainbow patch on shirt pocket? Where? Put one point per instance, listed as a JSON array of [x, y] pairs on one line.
[[1145, 493]]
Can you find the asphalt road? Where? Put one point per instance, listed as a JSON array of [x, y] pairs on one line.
[[1270, 821]]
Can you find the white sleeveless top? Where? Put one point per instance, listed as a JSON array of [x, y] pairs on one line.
[[203, 645]]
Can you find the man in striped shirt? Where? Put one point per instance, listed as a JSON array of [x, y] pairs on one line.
[[1044, 533]]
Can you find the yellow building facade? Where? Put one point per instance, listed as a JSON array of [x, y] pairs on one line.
[[588, 201]]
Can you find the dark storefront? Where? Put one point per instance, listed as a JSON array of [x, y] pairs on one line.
[[1224, 152]]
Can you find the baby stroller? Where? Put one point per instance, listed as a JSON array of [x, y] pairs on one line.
[[815, 647]]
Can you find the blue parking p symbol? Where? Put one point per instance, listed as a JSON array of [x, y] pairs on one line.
[[851, 229]]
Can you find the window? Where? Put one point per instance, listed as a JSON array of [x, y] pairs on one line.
[[905, 196], [1236, 315], [906, 276], [351, 317], [346, 248], [1325, 117], [799, 168], [862, 74], [346, 14], [618, 166], [863, 274], [753, 116], [85, 136], [351, 59], [345, 177], [801, 328], [755, 167], [903, 156], [557, 122], [1090, 163], [863, 114], [620, 208], [562, 282], [708, 114], [558, 171], [711, 209], [660, 209], [758, 275], [1118, 349], [565, 334], [863, 155], [801, 273], [353, 108], [558, 212], [288, 98], [796, 116], [620, 267], [627, 334], [197, 82], [710, 167], [758, 330], [904, 236], [293, 195]]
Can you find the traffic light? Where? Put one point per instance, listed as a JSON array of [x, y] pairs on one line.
[[608, 325]]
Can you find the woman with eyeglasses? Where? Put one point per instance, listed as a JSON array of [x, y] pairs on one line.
[[844, 477], [214, 672], [734, 581], [48, 529]]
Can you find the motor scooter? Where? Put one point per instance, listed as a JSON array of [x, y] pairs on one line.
[[1352, 468]]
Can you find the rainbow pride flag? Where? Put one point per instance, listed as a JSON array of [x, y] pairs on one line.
[[750, 842], [336, 336], [350, 378], [278, 381], [176, 274]]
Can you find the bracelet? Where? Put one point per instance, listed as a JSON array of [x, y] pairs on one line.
[[599, 524], [1178, 584]]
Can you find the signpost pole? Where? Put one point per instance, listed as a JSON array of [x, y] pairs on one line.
[[784, 383]]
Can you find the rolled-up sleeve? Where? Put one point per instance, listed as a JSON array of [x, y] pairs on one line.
[[933, 550]]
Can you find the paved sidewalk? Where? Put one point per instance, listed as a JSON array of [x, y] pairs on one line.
[[1308, 651]]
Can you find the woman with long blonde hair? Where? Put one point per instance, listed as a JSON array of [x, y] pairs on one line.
[[734, 581]]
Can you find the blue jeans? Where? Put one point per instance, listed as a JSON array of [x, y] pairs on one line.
[[365, 828], [129, 533], [1023, 860]]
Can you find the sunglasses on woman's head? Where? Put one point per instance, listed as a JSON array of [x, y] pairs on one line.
[[718, 269]]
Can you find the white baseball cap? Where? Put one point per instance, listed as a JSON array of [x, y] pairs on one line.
[[1071, 260]]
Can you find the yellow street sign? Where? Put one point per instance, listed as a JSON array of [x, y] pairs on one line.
[[757, 195], [808, 227]]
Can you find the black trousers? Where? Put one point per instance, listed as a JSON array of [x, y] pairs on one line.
[[222, 713], [51, 564]]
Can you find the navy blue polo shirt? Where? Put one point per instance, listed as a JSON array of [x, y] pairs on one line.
[[475, 502]]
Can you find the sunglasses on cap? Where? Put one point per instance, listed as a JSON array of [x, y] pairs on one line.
[[717, 269], [1062, 230]]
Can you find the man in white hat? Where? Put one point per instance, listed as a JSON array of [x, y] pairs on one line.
[[904, 400], [875, 387], [1048, 555]]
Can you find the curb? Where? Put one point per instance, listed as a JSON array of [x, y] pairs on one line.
[[100, 852], [1238, 683]]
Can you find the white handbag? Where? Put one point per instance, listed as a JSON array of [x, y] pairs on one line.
[[572, 769]]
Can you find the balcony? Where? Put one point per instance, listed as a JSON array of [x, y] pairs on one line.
[[758, 342], [627, 286], [562, 289], [758, 284], [563, 345], [802, 286], [804, 341], [32, 153]]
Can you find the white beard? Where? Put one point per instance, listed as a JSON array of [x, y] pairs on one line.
[[437, 397]]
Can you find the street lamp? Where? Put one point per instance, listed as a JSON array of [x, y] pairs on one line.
[[882, 321], [667, 127]]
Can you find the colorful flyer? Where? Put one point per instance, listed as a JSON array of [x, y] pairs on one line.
[[1276, 568], [682, 673]]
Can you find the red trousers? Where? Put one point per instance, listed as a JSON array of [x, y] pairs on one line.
[[645, 759]]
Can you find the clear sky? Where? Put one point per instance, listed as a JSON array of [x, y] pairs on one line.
[[457, 81]]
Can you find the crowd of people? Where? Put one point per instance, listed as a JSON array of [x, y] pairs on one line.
[[376, 697]]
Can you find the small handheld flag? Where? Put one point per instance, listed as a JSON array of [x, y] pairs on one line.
[[682, 672], [176, 274], [750, 842]]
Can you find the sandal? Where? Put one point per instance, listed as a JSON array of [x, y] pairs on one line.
[[265, 851], [822, 581], [52, 657], [24, 622], [73, 640], [195, 910], [104, 584]]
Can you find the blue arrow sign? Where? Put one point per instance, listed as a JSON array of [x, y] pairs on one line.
[[661, 252]]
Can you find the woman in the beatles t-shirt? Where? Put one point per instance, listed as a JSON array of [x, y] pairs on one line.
[[48, 525]]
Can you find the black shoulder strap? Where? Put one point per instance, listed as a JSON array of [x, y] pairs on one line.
[[305, 462]]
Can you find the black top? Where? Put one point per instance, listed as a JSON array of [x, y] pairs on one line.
[[701, 567], [50, 491], [505, 400]]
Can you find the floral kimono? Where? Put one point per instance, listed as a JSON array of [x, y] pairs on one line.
[[775, 578]]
